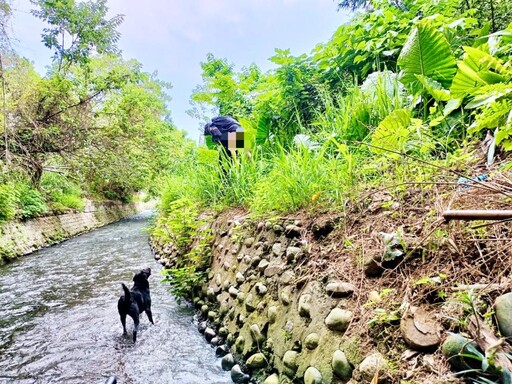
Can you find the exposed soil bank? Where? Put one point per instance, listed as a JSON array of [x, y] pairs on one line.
[[368, 295], [22, 237]]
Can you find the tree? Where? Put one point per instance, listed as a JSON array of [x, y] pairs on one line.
[[496, 12], [353, 4], [77, 29], [5, 15], [131, 145], [230, 93], [52, 115]]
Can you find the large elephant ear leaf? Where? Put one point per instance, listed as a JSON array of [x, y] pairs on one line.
[[427, 53], [434, 88], [478, 69], [392, 133], [262, 130]]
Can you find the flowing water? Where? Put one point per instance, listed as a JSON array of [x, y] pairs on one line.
[[59, 320]]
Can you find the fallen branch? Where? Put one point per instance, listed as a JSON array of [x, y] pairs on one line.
[[475, 214], [466, 287]]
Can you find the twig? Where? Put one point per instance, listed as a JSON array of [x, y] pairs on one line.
[[484, 185], [467, 287], [480, 240], [489, 224]]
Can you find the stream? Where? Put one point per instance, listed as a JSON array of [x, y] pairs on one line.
[[59, 320]]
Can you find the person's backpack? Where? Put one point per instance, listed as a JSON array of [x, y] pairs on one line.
[[225, 124], [219, 127]]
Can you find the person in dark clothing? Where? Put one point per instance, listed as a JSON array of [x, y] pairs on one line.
[[227, 132]]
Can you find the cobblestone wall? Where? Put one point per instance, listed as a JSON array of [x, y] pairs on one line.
[[23, 237]]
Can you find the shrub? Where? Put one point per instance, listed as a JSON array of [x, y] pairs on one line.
[[7, 202], [31, 201], [63, 193]]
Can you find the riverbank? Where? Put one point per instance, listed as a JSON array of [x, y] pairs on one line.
[[370, 294], [19, 238]]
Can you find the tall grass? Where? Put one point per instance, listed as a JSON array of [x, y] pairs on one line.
[[241, 177], [300, 178], [352, 116], [284, 177]]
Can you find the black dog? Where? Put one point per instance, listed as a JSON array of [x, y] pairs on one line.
[[136, 301]]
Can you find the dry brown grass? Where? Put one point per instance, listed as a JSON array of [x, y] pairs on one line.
[[462, 252]]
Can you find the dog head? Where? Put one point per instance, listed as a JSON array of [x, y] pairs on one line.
[[142, 275]]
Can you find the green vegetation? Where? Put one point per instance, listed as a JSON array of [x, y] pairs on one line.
[[402, 85], [94, 126], [181, 227], [404, 90], [402, 80]]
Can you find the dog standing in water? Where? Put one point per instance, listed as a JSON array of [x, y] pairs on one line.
[[136, 301]]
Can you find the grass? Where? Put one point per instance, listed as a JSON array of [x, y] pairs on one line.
[[282, 177]]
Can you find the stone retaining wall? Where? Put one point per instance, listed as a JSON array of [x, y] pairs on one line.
[[268, 322], [281, 307], [22, 237]]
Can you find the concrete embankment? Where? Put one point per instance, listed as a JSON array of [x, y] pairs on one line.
[[22, 237]]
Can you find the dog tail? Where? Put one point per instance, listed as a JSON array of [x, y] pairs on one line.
[[126, 292]]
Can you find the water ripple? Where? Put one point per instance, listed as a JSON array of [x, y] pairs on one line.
[[60, 323]]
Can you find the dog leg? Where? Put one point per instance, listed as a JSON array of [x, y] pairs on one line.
[[123, 321], [150, 315], [135, 327]]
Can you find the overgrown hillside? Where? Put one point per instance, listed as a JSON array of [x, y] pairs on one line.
[[404, 114], [95, 125]]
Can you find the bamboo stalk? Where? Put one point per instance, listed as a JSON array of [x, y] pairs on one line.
[[476, 214]]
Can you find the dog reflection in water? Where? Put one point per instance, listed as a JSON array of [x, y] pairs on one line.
[[136, 301]]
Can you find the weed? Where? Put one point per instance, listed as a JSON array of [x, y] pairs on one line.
[[7, 202], [31, 202], [183, 281]]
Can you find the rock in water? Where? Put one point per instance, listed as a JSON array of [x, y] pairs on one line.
[[227, 362], [238, 376]]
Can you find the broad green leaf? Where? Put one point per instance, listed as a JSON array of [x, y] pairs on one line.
[[484, 60], [501, 135], [434, 88], [507, 145], [465, 81], [487, 98], [426, 52], [392, 133], [476, 70], [451, 106]]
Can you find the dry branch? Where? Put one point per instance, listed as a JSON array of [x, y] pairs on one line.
[[476, 214], [490, 287]]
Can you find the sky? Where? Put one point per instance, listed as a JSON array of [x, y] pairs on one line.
[[172, 37]]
